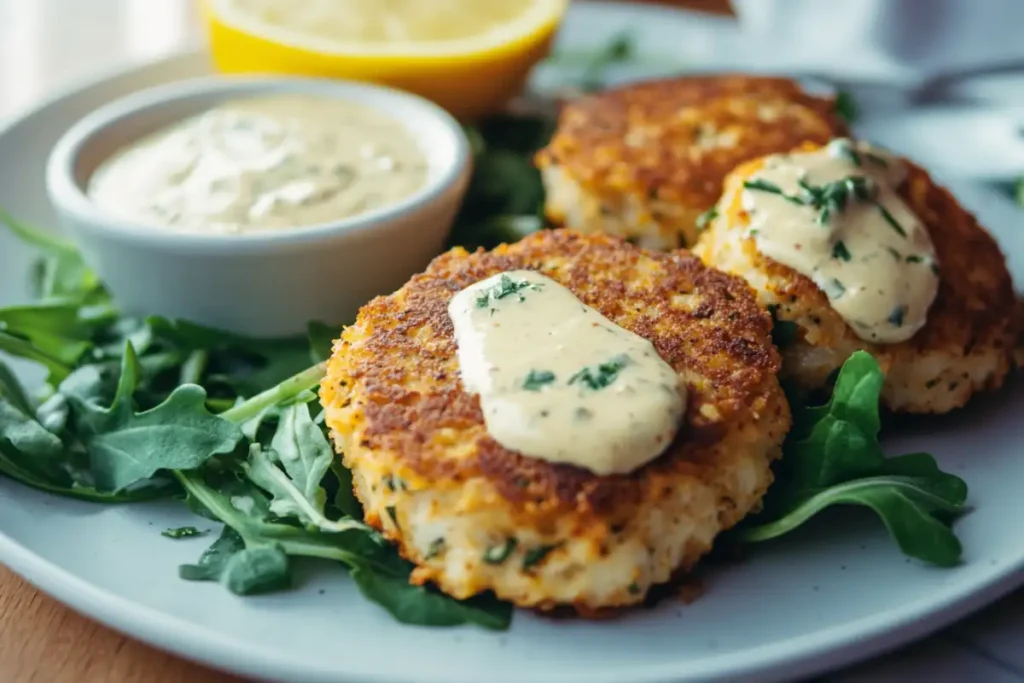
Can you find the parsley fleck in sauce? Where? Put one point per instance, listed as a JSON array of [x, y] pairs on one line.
[[263, 163], [560, 382], [833, 215]]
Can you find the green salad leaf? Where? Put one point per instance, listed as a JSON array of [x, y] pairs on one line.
[[243, 570], [126, 447], [321, 340], [144, 408], [12, 391], [505, 200], [833, 457]]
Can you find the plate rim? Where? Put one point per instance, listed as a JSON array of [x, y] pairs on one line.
[[829, 648]]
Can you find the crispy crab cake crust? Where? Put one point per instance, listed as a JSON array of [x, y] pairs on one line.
[[967, 342], [432, 479], [644, 161]]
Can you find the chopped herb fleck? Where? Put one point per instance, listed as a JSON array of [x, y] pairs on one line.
[[834, 289], [537, 379], [828, 198], [895, 254], [536, 555], [600, 376], [506, 287], [839, 251], [634, 588], [392, 514], [183, 532], [890, 220], [914, 258], [896, 317], [846, 106], [832, 197], [705, 218], [772, 188], [844, 148], [436, 546], [497, 554]]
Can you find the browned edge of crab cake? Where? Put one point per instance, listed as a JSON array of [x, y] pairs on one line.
[[651, 157], [965, 346], [395, 404]]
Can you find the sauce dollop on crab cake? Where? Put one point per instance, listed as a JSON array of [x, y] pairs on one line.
[[853, 247], [568, 420], [645, 161]]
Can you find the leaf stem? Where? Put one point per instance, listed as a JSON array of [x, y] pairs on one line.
[[194, 366], [16, 346], [81, 493], [293, 541], [290, 388], [841, 494], [36, 238]]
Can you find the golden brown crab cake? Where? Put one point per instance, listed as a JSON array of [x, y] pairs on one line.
[[967, 342], [476, 517], [645, 161]]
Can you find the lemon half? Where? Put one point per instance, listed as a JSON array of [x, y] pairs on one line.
[[469, 56]]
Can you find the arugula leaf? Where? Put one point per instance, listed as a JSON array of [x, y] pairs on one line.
[[62, 273], [33, 237], [244, 571], [833, 457], [247, 366], [126, 447], [27, 445], [11, 390], [37, 457], [20, 347], [381, 574], [421, 606], [344, 498], [288, 500], [304, 452], [321, 340], [55, 328], [505, 201]]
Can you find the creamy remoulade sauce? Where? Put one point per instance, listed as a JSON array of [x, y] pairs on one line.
[[560, 382], [834, 215], [263, 163]]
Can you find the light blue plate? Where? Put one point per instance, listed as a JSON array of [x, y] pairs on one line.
[[837, 592]]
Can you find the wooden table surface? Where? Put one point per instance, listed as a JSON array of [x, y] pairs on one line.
[[43, 44]]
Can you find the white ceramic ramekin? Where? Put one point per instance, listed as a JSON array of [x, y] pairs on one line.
[[265, 284]]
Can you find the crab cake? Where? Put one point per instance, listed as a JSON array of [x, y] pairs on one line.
[[645, 161], [963, 338], [475, 516]]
